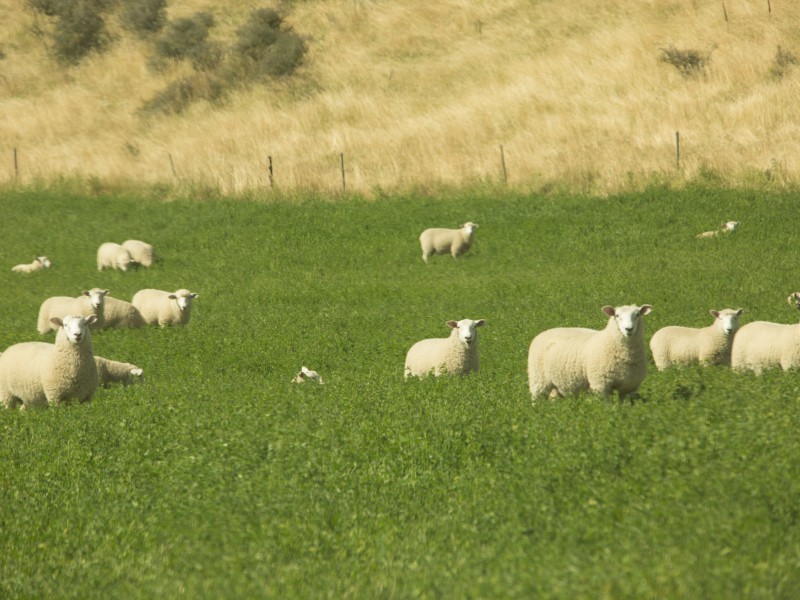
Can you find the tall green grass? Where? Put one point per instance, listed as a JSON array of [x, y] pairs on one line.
[[219, 478]]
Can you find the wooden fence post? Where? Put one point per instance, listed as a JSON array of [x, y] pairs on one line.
[[503, 164], [172, 164], [678, 149], [16, 166], [271, 181], [341, 161]]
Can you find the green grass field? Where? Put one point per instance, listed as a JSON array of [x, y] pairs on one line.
[[218, 478]]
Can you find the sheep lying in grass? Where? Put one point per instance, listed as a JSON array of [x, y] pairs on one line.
[[727, 227], [164, 308], [38, 374], [141, 252], [113, 256], [90, 302], [443, 241], [114, 371], [676, 345], [118, 314], [454, 355], [761, 345], [307, 374], [39, 263], [567, 360]]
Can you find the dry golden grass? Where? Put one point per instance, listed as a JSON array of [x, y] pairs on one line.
[[417, 93]]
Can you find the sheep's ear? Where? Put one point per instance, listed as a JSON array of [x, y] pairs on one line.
[[480, 322], [739, 312], [85, 293], [452, 324], [609, 310], [172, 296], [57, 322], [714, 313], [105, 292], [194, 295], [645, 309], [91, 319]]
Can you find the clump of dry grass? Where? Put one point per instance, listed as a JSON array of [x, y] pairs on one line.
[[414, 93]]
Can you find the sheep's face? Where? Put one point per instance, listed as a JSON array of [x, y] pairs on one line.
[[45, 261], [135, 375], [469, 228], [183, 299], [466, 330], [628, 318], [76, 328], [727, 320], [97, 296], [730, 226]]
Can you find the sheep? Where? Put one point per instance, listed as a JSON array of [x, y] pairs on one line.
[[727, 227], [113, 371], [141, 252], [454, 355], [307, 374], [39, 263], [761, 345], [567, 360], [442, 241], [121, 314], [38, 374], [675, 345], [90, 302], [113, 256], [164, 308]]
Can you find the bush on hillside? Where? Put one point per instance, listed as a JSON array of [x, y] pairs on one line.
[[783, 63], [187, 38], [180, 94], [688, 62], [79, 30], [265, 48], [144, 17]]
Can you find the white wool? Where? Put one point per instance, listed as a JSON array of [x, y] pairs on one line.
[[675, 345], [39, 263], [90, 302], [141, 252], [454, 355], [113, 256], [158, 307], [119, 314], [447, 241], [113, 371], [306, 374]]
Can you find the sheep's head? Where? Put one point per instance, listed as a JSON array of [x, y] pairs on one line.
[[729, 226], [76, 328], [469, 228], [727, 319], [628, 318], [306, 374], [135, 375], [97, 296], [183, 298], [466, 330], [44, 261]]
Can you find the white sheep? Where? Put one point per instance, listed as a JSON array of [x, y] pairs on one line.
[[90, 302], [39, 263], [164, 308], [761, 345], [120, 314], [141, 252], [727, 227], [568, 360], [113, 256], [794, 300], [675, 345], [443, 241], [307, 374], [114, 371], [454, 355], [38, 374]]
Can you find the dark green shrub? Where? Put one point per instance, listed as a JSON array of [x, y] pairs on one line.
[[265, 49], [784, 61], [180, 94], [145, 17], [187, 38], [50, 8], [79, 30], [688, 62]]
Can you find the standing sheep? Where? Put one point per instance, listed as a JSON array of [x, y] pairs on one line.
[[90, 302], [118, 314], [676, 345], [443, 241], [141, 252], [39, 263], [454, 355], [568, 360], [114, 371], [38, 374], [762, 345], [113, 256], [164, 308]]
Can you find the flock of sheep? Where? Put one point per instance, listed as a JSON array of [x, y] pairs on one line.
[[561, 361], [38, 374]]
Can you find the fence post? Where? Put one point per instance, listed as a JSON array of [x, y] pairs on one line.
[[270, 172], [16, 166], [172, 164], [677, 149], [503, 164], [341, 161]]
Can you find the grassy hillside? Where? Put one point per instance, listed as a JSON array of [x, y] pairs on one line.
[[414, 94], [218, 478]]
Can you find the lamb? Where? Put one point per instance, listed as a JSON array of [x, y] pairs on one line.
[[307, 374], [39, 263], [90, 302], [113, 256], [141, 252], [120, 314], [442, 241], [675, 345], [164, 308], [568, 360], [761, 345], [727, 227], [38, 374], [113, 371], [454, 355]]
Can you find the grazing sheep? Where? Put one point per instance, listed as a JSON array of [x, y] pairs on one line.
[[454, 355], [113, 256], [113, 371], [141, 252], [761, 345], [307, 374], [121, 315], [443, 241], [727, 227], [39, 263], [90, 302], [38, 374], [567, 360], [164, 308], [676, 345]]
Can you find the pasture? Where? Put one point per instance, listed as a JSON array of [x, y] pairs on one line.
[[217, 477]]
